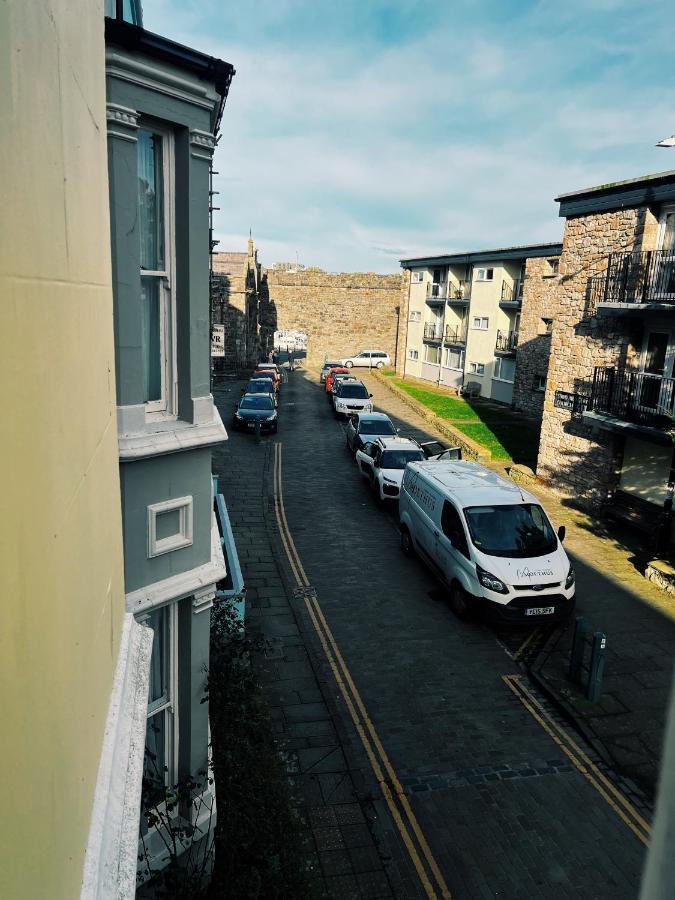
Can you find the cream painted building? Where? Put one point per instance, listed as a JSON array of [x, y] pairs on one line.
[[73, 665], [463, 316]]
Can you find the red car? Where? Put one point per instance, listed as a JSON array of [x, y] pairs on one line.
[[268, 373], [336, 370]]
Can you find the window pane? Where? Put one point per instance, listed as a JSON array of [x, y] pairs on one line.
[[157, 620], [151, 339], [155, 749], [150, 200]]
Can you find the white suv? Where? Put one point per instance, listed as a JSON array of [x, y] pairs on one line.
[[371, 359], [383, 462], [351, 396]]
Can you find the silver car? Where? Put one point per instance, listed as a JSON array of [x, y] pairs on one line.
[[370, 359], [363, 428]]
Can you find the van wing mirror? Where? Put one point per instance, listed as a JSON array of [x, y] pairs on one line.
[[562, 531]]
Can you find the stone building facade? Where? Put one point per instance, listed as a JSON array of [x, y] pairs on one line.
[[538, 313], [235, 288], [606, 430], [341, 313]]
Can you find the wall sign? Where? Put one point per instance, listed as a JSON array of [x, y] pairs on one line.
[[574, 403], [217, 340]]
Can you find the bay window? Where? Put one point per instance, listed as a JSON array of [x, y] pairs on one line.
[[155, 225]]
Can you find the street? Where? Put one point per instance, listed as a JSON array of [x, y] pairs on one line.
[[393, 713]]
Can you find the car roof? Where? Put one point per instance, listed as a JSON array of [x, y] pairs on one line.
[[397, 443], [372, 417], [473, 484], [261, 381], [327, 364], [243, 396]]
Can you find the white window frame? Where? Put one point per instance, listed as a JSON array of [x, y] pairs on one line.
[[474, 368], [413, 354], [537, 386], [482, 274], [182, 538], [437, 350], [417, 277], [166, 407], [480, 320], [448, 351], [415, 316], [499, 362]]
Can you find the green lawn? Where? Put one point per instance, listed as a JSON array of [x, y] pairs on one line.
[[501, 431]]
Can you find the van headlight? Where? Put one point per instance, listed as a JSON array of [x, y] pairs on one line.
[[491, 582], [569, 581]]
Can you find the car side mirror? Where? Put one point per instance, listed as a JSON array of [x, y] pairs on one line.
[[562, 531]]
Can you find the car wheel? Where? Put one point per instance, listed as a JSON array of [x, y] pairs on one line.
[[349, 364], [406, 542], [380, 365], [459, 603]]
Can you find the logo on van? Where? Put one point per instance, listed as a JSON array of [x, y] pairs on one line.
[[528, 573]]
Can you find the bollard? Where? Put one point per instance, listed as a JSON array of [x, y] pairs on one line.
[[577, 655], [594, 689]]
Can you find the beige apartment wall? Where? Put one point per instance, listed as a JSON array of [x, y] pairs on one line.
[[60, 547], [485, 296]]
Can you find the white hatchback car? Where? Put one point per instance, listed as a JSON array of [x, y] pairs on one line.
[[383, 462], [370, 359]]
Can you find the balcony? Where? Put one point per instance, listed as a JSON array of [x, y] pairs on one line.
[[512, 295], [459, 293], [433, 333], [635, 282], [455, 335], [506, 342], [633, 398], [437, 293]]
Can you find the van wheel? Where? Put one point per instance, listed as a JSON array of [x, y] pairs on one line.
[[459, 601], [406, 543]]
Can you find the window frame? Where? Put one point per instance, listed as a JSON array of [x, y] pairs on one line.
[[413, 354], [482, 274], [437, 351], [462, 359], [553, 267], [166, 406], [464, 549], [417, 277], [480, 326], [499, 362], [474, 366], [536, 386], [414, 315]]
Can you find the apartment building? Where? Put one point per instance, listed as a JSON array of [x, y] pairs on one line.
[[610, 398], [463, 319]]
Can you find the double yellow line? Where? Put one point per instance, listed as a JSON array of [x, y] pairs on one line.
[[608, 791], [418, 849]]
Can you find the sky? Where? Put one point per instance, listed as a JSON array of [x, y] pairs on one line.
[[358, 132]]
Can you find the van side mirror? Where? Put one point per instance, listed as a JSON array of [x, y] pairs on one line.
[[370, 395], [562, 531]]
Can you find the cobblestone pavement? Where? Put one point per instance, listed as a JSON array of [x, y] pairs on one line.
[[628, 723], [504, 811]]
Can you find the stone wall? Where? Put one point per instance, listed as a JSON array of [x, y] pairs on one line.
[[541, 292], [235, 282], [572, 457], [340, 313]]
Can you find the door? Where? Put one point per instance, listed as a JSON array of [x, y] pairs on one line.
[[664, 288], [366, 460], [452, 549], [654, 392]]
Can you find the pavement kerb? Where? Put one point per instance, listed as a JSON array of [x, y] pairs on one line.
[[469, 448]]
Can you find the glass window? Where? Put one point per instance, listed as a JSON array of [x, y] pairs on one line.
[[413, 354], [518, 530], [377, 426], [157, 763], [481, 322], [256, 402], [454, 359], [485, 274], [151, 200], [151, 338], [505, 368], [477, 368], [399, 459], [353, 391], [432, 354], [452, 527], [417, 277]]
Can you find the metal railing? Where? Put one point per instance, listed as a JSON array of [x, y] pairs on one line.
[[512, 293], [455, 335], [632, 396], [507, 341], [459, 291], [437, 291], [433, 332], [645, 277]]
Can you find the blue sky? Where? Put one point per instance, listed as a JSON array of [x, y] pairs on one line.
[[360, 131]]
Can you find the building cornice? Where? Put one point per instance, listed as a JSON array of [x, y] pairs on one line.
[[527, 251], [122, 122]]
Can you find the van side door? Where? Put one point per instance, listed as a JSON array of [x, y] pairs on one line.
[[452, 547]]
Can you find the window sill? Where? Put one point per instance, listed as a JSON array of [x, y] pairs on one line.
[[160, 437], [502, 380]]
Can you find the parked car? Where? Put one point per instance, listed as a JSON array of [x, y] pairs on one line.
[[372, 359], [271, 376], [268, 367], [488, 540], [351, 396], [336, 370], [253, 409], [340, 378], [327, 366], [367, 427], [383, 462], [262, 386]]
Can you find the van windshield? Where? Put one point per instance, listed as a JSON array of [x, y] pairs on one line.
[[519, 530]]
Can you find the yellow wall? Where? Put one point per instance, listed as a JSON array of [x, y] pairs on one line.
[[61, 586]]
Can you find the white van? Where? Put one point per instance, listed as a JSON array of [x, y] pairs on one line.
[[488, 540]]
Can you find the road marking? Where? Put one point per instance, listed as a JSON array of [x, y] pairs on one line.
[[519, 652], [608, 791], [372, 745]]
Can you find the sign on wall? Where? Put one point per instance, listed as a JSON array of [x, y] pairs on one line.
[[574, 403], [217, 340]]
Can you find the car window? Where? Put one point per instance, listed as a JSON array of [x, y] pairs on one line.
[[399, 459], [249, 402], [353, 391], [452, 527], [377, 426]]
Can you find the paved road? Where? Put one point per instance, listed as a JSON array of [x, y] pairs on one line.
[[504, 811]]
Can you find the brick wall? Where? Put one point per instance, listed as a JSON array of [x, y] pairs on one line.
[[234, 303], [573, 458], [340, 313], [541, 293]]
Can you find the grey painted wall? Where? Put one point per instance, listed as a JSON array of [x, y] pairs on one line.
[[502, 391]]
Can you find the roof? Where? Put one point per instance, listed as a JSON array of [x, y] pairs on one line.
[[229, 263], [518, 251], [377, 416], [472, 483], [397, 443], [632, 192]]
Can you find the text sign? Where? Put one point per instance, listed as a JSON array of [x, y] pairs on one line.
[[218, 340], [574, 403]]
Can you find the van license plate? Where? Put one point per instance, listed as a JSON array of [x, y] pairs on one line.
[[540, 611]]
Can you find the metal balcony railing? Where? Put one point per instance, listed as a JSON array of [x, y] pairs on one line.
[[437, 290], [632, 396], [512, 293], [459, 291], [433, 332], [647, 277], [455, 335], [507, 341]]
